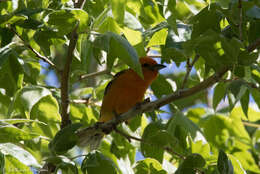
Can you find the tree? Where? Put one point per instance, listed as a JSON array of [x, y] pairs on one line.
[[212, 104]]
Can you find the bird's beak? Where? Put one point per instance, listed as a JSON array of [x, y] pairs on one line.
[[157, 67]]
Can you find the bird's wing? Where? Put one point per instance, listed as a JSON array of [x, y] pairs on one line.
[[114, 78]]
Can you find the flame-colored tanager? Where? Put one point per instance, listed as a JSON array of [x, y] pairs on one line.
[[127, 89], [122, 93]]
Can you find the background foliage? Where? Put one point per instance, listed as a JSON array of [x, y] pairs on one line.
[[50, 47]]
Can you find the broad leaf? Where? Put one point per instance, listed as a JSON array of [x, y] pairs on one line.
[[224, 164], [65, 139], [98, 163]]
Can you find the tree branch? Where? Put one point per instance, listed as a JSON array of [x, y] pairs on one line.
[[189, 68], [37, 54], [151, 106], [240, 20], [66, 72]]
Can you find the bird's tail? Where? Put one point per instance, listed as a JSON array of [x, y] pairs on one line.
[[90, 137]]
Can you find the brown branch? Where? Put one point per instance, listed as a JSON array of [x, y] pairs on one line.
[[66, 72], [189, 68], [65, 80], [37, 54], [240, 20], [151, 106]]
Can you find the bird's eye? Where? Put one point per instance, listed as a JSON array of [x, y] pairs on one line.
[[145, 65]]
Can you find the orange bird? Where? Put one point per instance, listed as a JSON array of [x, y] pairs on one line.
[[122, 93], [127, 89]]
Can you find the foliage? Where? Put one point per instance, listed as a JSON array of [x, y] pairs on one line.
[[214, 131]]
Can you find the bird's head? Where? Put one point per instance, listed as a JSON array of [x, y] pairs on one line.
[[150, 67]]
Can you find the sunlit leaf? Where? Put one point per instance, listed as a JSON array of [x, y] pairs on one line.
[[149, 166]]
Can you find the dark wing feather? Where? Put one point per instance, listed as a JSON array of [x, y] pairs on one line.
[[114, 78]]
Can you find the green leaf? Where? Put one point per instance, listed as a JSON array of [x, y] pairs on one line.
[[245, 102], [118, 10], [191, 163], [9, 133], [219, 94], [120, 48], [256, 95], [12, 165], [195, 114], [149, 166], [199, 147], [4, 53], [150, 14], [152, 148], [97, 163], [225, 132], [82, 17], [19, 153], [65, 20], [247, 160], [11, 72], [161, 86], [206, 19], [46, 110], [173, 50], [158, 38], [179, 119], [224, 164], [2, 162], [238, 168], [253, 12], [11, 19], [135, 39], [246, 58], [237, 90], [109, 25], [15, 121], [253, 115], [65, 139], [28, 96], [66, 167], [121, 148]]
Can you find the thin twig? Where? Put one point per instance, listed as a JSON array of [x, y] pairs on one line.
[[37, 54], [189, 68], [78, 156], [80, 101], [94, 74], [155, 56], [251, 124], [240, 20], [166, 148]]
